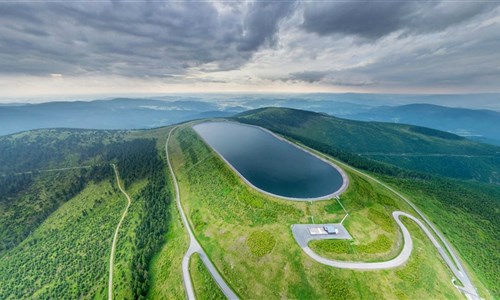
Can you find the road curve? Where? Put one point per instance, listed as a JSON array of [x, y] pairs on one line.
[[452, 260], [115, 237], [399, 260], [194, 246]]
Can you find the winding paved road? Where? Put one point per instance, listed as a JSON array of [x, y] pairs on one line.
[[194, 245], [451, 260], [393, 263], [115, 237]]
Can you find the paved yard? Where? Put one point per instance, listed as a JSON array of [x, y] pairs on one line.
[[303, 236]]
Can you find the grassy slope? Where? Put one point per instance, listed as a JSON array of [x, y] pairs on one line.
[[61, 260], [224, 212], [466, 212], [165, 268], [474, 237], [482, 163], [204, 285]]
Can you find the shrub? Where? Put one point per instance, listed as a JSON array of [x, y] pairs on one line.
[[261, 242], [331, 246]]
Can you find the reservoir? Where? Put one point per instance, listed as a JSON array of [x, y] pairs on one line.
[[271, 164]]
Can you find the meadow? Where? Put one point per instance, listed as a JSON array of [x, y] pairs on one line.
[[465, 211], [205, 286], [226, 215]]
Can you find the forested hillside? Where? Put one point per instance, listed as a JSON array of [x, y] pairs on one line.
[[59, 206], [466, 212], [414, 148]]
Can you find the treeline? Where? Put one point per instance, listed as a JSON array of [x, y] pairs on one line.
[[136, 158], [51, 148], [151, 231], [28, 199], [356, 160], [139, 159], [436, 133]]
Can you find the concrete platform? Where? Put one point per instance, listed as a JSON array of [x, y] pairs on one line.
[[302, 233]]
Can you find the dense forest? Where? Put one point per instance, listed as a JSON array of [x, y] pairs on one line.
[[54, 148], [140, 159], [33, 190], [26, 200]]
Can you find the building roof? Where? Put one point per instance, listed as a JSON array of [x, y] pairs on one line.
[[330, 228]]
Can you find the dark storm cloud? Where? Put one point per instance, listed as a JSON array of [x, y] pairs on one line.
[[350, 78], [262, 19], [133, 39], [396, 43], [468, 61], [375, 19], [308, 76]]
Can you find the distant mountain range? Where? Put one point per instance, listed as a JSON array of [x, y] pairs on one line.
[[481, 125], [104, 114], [125, 113]]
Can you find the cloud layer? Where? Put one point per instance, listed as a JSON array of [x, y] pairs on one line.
[[351, 45]]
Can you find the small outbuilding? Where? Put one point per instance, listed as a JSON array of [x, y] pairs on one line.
[[331, 229], [317, 231]]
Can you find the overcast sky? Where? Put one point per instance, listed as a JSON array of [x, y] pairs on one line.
[[99, 47]]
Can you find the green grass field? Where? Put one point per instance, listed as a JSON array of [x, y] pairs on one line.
[[224, 213], [165, 267], [205, 286], [467, 212]]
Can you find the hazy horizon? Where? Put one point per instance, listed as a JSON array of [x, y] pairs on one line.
[[479, 101]]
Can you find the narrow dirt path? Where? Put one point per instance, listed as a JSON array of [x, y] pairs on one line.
[[115, 237]]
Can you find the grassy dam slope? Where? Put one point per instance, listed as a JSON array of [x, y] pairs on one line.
[[467, 212], [247, 235]]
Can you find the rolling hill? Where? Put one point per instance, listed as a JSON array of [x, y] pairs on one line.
[[120, 113], [411, 147], [481, 125], [59, 205], [450, 203]]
